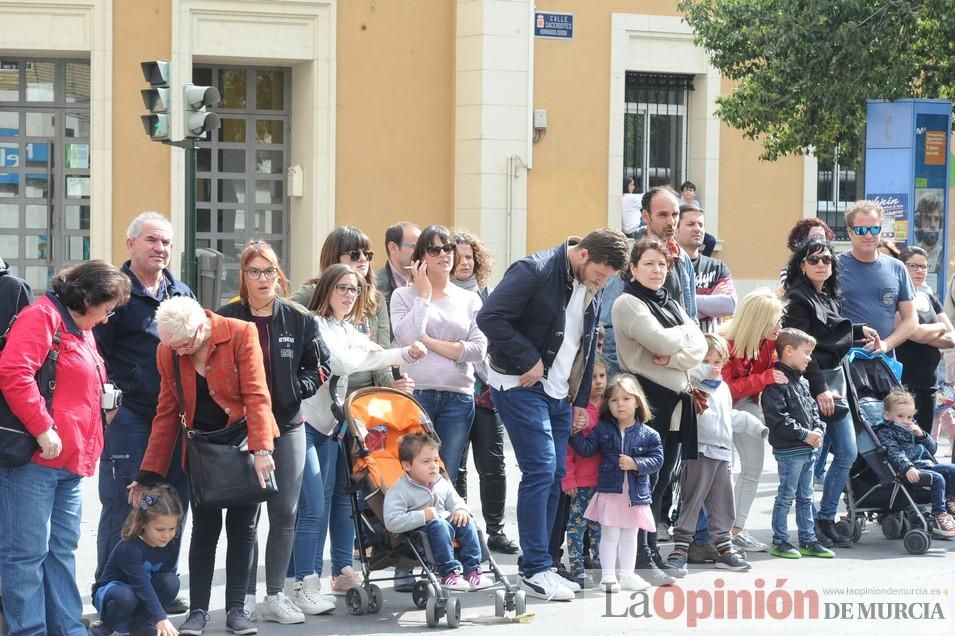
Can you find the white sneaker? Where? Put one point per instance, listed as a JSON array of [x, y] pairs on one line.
[[546, 585], [609, 585], [279, 609], [309, 602], [249, 606], [573, 586], [312, 583], [633, 583]]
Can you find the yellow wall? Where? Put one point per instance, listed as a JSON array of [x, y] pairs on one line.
[[142, 30], [567, 188], [395, 133]]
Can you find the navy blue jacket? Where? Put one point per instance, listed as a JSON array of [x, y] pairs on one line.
[[903, 449], [128, 343], [523, 318], [640, 442]]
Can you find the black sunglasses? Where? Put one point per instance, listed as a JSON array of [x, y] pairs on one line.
[[815, 259], [355, 255], [435, 250]]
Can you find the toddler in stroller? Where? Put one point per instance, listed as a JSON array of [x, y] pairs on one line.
[[910, 451]]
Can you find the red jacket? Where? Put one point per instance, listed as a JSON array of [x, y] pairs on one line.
[[236, 376], [583, 472], [748, 377], [79, 384]]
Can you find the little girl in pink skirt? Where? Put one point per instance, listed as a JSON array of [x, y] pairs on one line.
[[630, 453]]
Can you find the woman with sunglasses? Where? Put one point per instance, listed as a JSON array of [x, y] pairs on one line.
[[443, 316], [920, 354], [291, 348], [814, 306], [324, 508]]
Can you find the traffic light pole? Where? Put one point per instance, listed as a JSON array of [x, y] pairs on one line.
[[190, 266]]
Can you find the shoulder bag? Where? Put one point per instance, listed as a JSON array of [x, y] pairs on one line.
[[17, 445], [836, 379], [221, 469]]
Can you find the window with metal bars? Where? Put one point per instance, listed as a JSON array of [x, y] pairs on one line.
[[837, 186], [655, 129]]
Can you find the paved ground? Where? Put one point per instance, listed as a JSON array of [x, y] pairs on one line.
[[874, 588]]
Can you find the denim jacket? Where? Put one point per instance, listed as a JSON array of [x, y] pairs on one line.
[[903, 449], [640, 442]]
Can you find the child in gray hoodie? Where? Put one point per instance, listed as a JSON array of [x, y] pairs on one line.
[[422, 497]]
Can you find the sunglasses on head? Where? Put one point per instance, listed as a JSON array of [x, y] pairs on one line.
[[860, 230], [815, 259], [355, 255], [435, 250]]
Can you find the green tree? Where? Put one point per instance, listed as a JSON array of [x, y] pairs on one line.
[[803, 69]]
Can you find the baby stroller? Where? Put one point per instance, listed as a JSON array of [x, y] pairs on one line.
[[875, 489], [371, 424]]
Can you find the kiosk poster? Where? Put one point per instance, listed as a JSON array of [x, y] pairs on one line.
[[894, 224], [928, 219]]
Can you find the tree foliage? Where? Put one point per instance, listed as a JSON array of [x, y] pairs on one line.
[[803, 69]]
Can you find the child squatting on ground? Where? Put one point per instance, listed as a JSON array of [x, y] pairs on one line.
[[795, 433], [707, 480], [630, 452], [139, 577], [422, 497], [580, 482], [910, 450]]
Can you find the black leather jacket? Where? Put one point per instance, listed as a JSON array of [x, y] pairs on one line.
[[298, 360], [790, 412]]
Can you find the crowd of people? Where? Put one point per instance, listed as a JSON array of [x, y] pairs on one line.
[[625, 372]]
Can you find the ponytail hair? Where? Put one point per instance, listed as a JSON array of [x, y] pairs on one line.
[[160, 501]]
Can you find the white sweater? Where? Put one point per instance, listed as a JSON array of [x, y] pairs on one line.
[[349, 351]]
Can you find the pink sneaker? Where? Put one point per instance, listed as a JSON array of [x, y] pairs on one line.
[[453, 581], [347, 579], [478, 581]]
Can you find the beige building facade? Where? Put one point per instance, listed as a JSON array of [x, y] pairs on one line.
[[367, 112]]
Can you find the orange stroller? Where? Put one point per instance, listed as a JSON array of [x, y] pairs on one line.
[[370, 426]]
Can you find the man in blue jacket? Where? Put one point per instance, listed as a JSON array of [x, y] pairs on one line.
[[128, 343], [541, 326]]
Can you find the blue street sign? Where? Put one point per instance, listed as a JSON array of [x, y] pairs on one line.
[[558, 26]]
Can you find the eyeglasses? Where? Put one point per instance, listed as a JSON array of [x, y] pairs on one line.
[[410, 246], [192, 343], [435, 250], [815, 259], [346, 290], [918, 267], [256, 274], [860, 230], [355, 255], [110, 314]]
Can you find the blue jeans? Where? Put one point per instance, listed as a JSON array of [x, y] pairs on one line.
[[943, 484], [441, 533], [306, 557], [702, 536], [795, 483], [40, 512], [120, 608], [452, 414], [124, 445], [335, 518], [539, 427], [841, 435]]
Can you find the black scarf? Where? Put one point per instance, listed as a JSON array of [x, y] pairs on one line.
[[661, 304]]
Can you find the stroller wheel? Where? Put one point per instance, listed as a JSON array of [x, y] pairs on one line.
[[452, 610], [420, 594], [499, 604], [374, 599], [891, 527], [520, 603], [356, 600], [431, 614], [916, 542], [857, 528]]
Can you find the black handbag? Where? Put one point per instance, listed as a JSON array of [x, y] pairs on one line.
[[836, 379], [221, 469], [17, 445]]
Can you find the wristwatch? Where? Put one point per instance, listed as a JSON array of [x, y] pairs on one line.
[[262, 452]]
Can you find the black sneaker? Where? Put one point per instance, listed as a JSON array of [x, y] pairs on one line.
[[815, 549], [96, 630], [676, 564], [785, 550], [653, 575], [827, 528], [237, 622], [702, 553], [499, 542], [821, 536], [194, 623], [729, 560], [178, 605]]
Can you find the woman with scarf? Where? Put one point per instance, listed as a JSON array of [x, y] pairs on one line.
[[659, 343]]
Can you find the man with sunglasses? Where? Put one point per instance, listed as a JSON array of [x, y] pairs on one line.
[[874, 286], [128, 344]]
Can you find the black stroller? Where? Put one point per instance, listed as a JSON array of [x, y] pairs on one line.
[[371, 424], [875, 490]]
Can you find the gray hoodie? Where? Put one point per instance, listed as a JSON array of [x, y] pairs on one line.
[[406, 500]]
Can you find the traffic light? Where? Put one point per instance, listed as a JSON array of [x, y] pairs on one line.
[[196, 119], [156, 98]]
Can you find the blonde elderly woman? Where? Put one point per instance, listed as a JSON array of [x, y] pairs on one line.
[[223, 381]]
